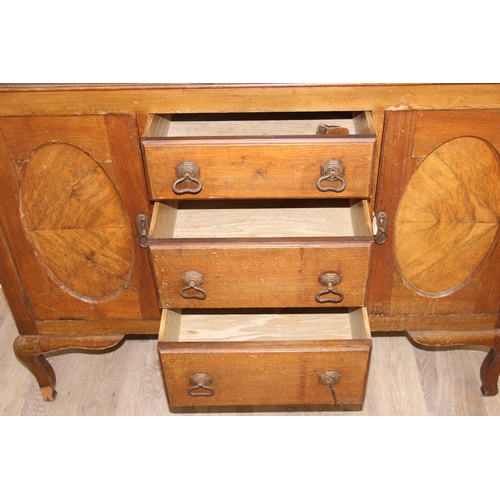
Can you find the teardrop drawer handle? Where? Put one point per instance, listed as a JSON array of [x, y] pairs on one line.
[[331, 379], [330, 280], [200, 382], [193, 281], [187, 171], [332, 171]]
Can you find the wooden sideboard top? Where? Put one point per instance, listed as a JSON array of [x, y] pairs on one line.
[[77, 99]]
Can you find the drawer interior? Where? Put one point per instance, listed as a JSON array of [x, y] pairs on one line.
[[262, 325], [258, 124], [273, 219]]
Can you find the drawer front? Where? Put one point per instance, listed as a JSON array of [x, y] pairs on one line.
[[265, 373], [252, 273], [247, 374], [261, 168]]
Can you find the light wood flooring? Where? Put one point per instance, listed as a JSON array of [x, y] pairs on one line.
[[404, 380]]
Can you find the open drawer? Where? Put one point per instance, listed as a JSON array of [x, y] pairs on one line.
[[306, 254], [263, 155], [257, 358]]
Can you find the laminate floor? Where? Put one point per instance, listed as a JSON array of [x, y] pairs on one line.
[[404, 380]]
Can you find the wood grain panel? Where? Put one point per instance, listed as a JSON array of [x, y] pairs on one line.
[[104, 326], [431, 321], [24, 135], [260, 168], [258, 375], [389, 293], [261, 274], [125, 150], [437, 258], [436, 127], [13, 288], [122, 164], [130, 99], [77, 222], [394, 172]]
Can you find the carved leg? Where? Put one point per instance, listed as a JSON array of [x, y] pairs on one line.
[[27, 350], [490, 369], [30, 350]]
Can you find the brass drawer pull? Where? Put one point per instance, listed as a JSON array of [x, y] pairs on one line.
[[331, 379], [187, 171], [200, 381], [330, 280], [332, 171], [193, 281]]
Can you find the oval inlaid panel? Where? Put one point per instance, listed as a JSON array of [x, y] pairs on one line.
[[77, 222], [448, 217]]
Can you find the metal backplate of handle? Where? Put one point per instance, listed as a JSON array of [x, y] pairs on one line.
[[333, 171], [200, 385], [193, 281], [188, 173], [330, 279], [330, 379]]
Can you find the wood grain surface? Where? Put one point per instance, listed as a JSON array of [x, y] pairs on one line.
[[404, 379], [99, 99], [76, 220], [278, 271], [436, 207], [71, 203], [448, 217], [261, 274], [260, 167], [258, 373]]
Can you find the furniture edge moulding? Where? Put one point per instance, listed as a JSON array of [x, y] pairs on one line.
[[14, 290], [30, 350], [131, 99]]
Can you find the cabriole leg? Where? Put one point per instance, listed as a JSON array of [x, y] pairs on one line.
[[30, 350], [490, 370], [27, 350]]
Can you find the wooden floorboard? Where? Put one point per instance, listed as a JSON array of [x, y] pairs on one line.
[[404, 379]]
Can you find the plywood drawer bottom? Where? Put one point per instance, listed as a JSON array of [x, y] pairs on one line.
[[265, 359]]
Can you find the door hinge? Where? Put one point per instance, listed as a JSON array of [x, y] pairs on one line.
[[380, 227], [142, 221]]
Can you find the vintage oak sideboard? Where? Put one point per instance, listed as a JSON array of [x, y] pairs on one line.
[[261, 231]]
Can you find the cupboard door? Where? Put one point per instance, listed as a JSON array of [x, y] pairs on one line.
[[438, 183], [71, 188]]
